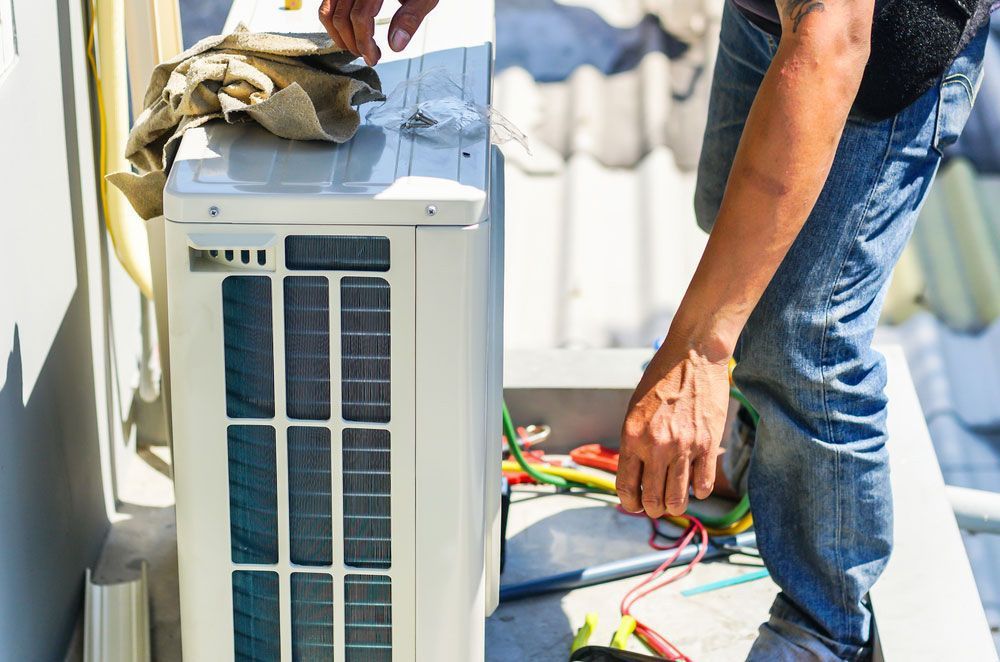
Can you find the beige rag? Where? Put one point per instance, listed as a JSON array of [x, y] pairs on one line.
[[298, 86]]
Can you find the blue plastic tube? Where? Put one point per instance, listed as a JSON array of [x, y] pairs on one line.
[[607, 572]]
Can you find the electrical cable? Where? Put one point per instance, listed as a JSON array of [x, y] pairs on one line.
[[651, 637], [738, 512], [742, 399], [728, 522], [735, 521], [655, 532], [610, 571], [592, 480], [512, 442]]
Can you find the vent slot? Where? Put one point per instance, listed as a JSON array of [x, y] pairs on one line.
[[367, 618], [309, 496], [365, 349], [312, 617], [249, 346], [256, 616], [367, 501], [231, 259], [307, 347], [253, 494], [303, 253]]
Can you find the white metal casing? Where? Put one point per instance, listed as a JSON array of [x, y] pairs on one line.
[[445, 279]]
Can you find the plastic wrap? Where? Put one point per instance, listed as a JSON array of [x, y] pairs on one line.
[[438, 108]]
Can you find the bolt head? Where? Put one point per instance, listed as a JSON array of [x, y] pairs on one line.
[[213, 211], [431, 210]]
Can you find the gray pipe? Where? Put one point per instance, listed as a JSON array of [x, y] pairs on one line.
[[606, 572]]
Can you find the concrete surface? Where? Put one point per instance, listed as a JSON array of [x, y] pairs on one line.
[[557, 533]]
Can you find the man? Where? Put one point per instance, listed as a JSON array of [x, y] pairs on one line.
[[826, 124]]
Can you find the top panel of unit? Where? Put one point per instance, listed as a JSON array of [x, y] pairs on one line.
[[244, 174]]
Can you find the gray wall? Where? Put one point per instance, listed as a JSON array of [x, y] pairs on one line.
[[52, 511], [54, 394]]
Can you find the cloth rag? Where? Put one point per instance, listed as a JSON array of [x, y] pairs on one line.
[[298, 86]]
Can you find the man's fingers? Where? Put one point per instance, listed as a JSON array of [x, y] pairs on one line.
[[363, 25], [407, 20], [627, 482], [653, 477], [329, 10], [342, 24], [326, 18], [703, 475], [678, 479]]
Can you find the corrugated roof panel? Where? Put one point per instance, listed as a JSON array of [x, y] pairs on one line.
[[618, 119], [980, 141], [956, 374], [601, 237], [598, 256], [688, 20], [952, 265], [957, 377]]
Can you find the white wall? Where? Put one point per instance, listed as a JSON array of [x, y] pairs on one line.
[[68, 337]]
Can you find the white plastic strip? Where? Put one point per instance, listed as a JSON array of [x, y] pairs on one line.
[[116, 621]]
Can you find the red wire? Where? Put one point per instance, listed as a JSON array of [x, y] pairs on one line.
[[655, 533], [654, 639]]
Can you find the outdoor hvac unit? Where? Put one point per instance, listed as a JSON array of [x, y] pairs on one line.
[[335, 352]]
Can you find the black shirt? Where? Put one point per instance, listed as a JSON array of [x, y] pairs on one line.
[[913, 42]]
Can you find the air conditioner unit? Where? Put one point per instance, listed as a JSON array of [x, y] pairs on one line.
[[335, 351]]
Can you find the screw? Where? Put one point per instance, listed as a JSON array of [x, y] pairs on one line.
[[431, 210], [213, 211]]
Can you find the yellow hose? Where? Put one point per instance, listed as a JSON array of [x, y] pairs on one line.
[[608, 485], [107, 65]]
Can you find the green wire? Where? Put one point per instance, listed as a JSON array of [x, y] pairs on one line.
[[754, 416], [743, 506], [720, 522], [512, 443]]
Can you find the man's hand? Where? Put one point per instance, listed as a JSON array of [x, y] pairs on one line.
[[351, 24], [675, 420], [673, 429]]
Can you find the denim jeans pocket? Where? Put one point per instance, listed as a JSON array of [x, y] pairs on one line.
[[956, 96]]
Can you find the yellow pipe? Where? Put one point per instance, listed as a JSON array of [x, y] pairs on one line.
[[127, 231], [608, 485]]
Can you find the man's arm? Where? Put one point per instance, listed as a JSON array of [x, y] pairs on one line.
[[351, 24], [673, 428]]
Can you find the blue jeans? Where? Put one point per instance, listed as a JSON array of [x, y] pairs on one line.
[[819, 474]]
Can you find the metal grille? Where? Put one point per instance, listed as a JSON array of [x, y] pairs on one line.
[[307, 347], [310, 519], [253, 494], [312, 617], [365, 349], [367, 618], [367, 502], [256, 616], [337, 253], [249, 346]]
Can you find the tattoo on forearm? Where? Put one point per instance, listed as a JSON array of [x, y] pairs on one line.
[[799, 9]]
